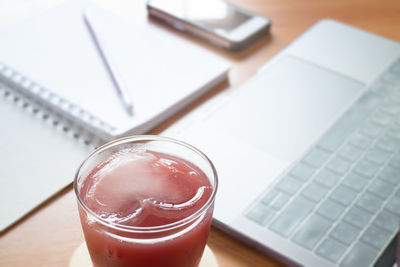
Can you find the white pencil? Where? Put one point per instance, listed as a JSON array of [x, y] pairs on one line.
[[122, 93]]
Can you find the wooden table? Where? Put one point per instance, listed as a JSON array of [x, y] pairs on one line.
[[48, 236]]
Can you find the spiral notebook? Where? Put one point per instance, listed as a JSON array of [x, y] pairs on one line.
[[54, 59], [57, 103]]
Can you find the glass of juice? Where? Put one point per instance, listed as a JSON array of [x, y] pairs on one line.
[[146, 201]]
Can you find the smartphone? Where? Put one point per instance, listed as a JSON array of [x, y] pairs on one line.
[[216, 21]]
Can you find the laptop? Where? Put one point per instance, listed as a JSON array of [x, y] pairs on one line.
[[307, 150]]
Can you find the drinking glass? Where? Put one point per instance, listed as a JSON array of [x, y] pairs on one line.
[[173, 244]]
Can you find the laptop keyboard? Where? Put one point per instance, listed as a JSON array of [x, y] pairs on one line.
[[341, 200]]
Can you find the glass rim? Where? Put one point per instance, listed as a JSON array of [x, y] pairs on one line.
[[147, 229]]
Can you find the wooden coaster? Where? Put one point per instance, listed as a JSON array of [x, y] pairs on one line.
[[81, 258]]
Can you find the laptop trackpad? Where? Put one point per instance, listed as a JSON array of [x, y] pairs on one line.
[[284, 109]]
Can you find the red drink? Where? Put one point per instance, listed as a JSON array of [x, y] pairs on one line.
[[140, 207]]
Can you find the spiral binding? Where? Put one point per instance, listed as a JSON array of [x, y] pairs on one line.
[[60, 105], [52, 119]]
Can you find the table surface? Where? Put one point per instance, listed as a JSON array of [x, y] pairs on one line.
[[49, 234]]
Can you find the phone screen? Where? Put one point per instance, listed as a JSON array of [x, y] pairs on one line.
[[214, 14]]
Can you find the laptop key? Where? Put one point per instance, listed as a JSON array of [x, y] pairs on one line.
[[302, 172], [380, 188], [345, 233], [395, 161], [269, 197], [393, 205], [330, 210], [279, 201], [316, 157], [360, 255], [291, 216], [369, 203], [312, 231], [390, 107], [357, 217], [339, 165], [334, 138], [381, 118], [331, 250], [343, 195], [366, 168], [387, 221], [314, 192], [288, 185], [350, 153], [390, 175], [371, 129], [355, 181], [388, 143], [376, 237], [260, 214], [394, 131], [360, 141], [327, 178], [377, 156]]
